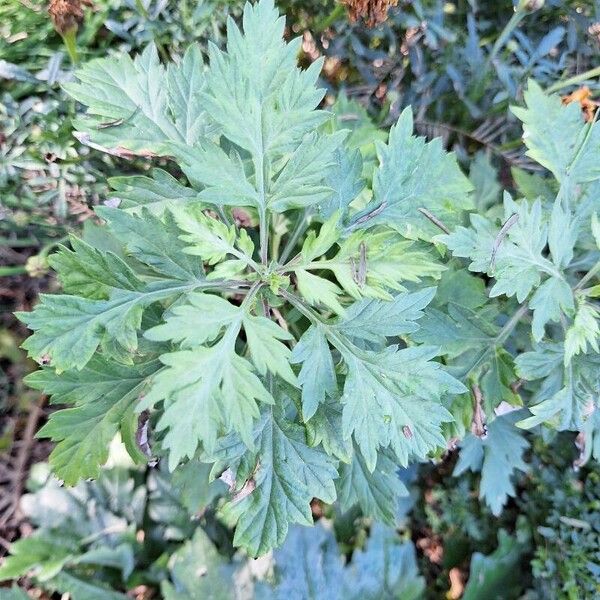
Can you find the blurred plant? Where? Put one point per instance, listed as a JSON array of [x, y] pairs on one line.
[[566, 564], [459, 64], [49, 181], [103, 538]]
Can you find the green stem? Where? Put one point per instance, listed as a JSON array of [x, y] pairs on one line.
[[513, 23], [70, 40], [13, 270], [19, 243], [263, 225], [499, 340], [566, 185], [297, 303], [510, 325], [299, 229], [46, 248], [335, 338], [589, 275], [141, 8], [331, 18], [559, 85], [251, 293], [223, 215]]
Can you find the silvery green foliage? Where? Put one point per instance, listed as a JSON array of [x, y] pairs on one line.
[[101, 538], [274, 322], [308, 565], [545, 252], [293, 376]]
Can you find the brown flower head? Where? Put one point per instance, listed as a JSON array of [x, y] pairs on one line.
[[67, 15], [373, 12]]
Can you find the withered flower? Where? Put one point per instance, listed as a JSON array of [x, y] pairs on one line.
[[372, 12], [583, 95], [67, 15]]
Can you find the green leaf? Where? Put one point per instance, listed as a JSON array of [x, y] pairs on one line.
[[198, 572], [14, 593], [78, 531], [268, 353], [566, 394], [156, 193], [534, 185], [461, 288], [185, 83], [325, 428], [551, 300], [211, 239], [200, 320], [69, 329], [288, 475], [596, 229], [346, 181], [204, 390], [562, 235], [193, 486], [317, 290], [153, 241], [415, 175], [377, 492], [350, 114], [497, 456], [584, 331], [301, 183], [317, 245], [133, 93], [393, 398], [473, 345], [91, 273], [591, 439], [386, 567], [514, 256], [221, 174], [255, 92], [318, 575], [82, 587], [568, 149], [483, 176], [496, 575], [373, 264], [375, 320], [102, 394], [317, 375], [39, 553]]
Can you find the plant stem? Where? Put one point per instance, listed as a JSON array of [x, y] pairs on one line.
[[511, 324], [141, 8], [13, 270], [506, 32], [264, 234], [70, 39], [251, 293], [591, 273], [331, 18], [299, 229], [19, 242], [499, 340], [559, 85]]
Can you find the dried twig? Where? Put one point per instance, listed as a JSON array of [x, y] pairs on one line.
[[19, 471]]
